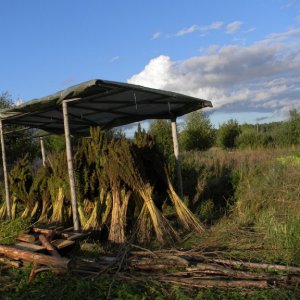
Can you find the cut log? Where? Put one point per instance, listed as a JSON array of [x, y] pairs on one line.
[[10, 262], [29, 247], [46, 231], [250, 265], [72, 236], [28, 238], [61, 243], [68, 229], [216, 283], [37, 258], [50, 248]]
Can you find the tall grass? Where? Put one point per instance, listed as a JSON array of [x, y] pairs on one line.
[[261, 220]]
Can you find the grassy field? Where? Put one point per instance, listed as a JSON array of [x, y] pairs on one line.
[[250, 205]]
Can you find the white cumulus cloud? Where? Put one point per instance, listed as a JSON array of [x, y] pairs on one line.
[[233, 27], [156, 35], [204, 29], [262, 77]]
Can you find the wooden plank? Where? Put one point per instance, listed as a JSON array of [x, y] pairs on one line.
[[76, 236], [29, 247], [62, 243], [28, 238]]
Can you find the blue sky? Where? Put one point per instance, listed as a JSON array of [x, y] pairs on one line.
[[242, 55]]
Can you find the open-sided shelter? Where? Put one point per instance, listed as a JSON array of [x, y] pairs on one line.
[[102, 103]]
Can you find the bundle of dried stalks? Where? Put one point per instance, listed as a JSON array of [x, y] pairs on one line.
[[95, 220], [144, 226], [3, 211], [46, 203], [82, 216], [186, 217], [118, 215], [58, 207], [130, 170]]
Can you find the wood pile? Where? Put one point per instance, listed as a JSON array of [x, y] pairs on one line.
[[190, 269], [40, 246]]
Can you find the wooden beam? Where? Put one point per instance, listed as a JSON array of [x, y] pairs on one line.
[[70, 168], [43, 151], [41, 259], [5, 174], [177, 157]]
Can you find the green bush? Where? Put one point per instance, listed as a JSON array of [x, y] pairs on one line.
[[253, 139], [289, 133], [162, 132], [198, 132], [227, 134]]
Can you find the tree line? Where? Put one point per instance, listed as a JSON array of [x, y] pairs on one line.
[[198, 133]]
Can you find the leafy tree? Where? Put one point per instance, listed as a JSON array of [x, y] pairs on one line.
[[254, 139], [18, 142], [162, 132], [198, 132], [228, 133], [290, 134], [5, 101], [55, 143]]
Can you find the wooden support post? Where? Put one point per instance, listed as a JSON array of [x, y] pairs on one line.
[[177, 157], [43, 151], [70, 168], [5, 174]]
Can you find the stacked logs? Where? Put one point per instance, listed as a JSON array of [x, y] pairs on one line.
[[192, 269]]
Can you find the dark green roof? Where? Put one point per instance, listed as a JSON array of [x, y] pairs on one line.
[[101, 103]]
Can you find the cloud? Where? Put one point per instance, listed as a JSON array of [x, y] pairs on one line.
[[233, 27], [252, 29], [115, 58], [282, 36], [203, 29], [212, 26], [156, 35], [188, 30], [264, 76]]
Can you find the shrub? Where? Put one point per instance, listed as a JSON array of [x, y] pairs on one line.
[[253, 139], [198, 132], [227, 134], [162, 132]]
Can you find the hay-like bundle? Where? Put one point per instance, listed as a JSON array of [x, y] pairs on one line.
[[95, 220], [118, 215], [58, 207], [186, 217], [144, 226], [2, 211], [130, 170]]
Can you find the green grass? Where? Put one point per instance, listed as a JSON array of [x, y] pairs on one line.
[[9, 230], [48, 286]]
